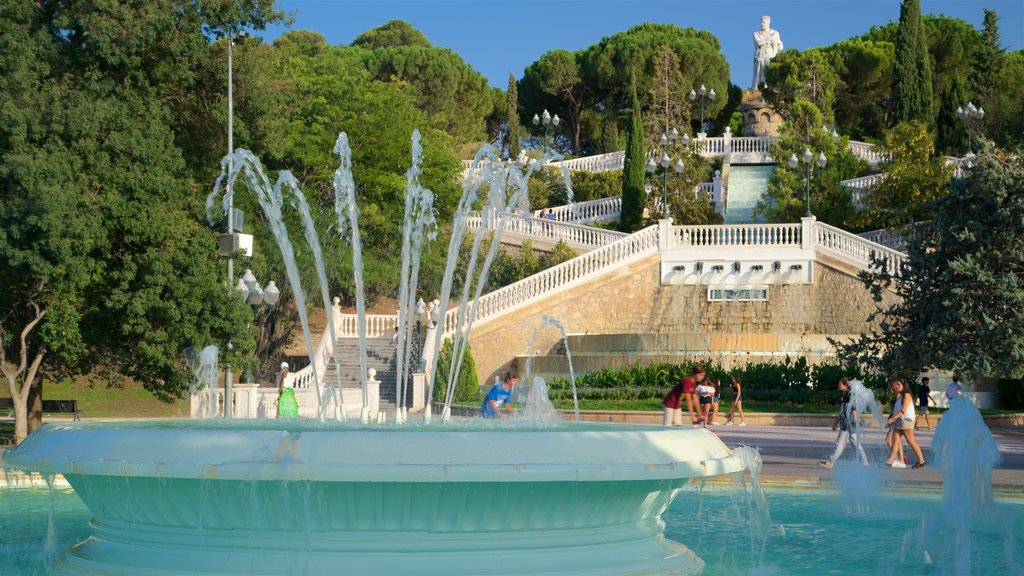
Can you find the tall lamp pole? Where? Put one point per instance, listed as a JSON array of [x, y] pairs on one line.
[[228, 376], [966, 113], [703, 92], [807, 157], [548, 121], [665, 162]]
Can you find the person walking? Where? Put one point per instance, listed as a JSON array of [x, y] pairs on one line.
[[737, 401], [902, 419], [923, 398], [847, 424]]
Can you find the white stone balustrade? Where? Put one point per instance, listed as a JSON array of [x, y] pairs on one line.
[[597, 163], [600, 210], [854, 249], [574, 235], [869, 152], [560, 277], [734, 235]]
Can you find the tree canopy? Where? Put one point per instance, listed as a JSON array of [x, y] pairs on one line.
[[960, 302]]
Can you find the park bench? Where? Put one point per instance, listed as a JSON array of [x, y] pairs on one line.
[[49, 407]]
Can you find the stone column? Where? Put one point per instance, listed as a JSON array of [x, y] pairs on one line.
[[807, 241]]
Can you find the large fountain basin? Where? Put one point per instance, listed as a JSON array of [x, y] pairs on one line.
[[275, 498]]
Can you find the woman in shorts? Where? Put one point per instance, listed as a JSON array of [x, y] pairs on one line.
[[902, 419], [737, 401]]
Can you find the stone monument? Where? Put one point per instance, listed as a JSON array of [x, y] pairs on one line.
[[759, 119], [767, 44]]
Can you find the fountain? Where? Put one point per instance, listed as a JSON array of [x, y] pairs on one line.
[[316, 497]]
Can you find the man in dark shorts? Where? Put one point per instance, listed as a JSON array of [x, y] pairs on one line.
[[923, 398]]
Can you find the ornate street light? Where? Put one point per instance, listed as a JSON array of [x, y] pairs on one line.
[[968, 114], [548, 121], [703, 92], [807, 157], [665, 162]]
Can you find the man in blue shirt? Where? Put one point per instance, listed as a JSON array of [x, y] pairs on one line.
[[498, 397]]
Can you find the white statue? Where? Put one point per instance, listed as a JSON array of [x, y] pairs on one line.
[[766, 45]]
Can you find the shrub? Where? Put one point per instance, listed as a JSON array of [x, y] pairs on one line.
[[467, 387], [594, 185], [1011, 393]]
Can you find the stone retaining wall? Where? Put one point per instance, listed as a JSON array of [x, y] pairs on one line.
[[795, 320]]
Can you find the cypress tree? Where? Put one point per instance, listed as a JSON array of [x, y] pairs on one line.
[[951, 137], [911, 72], [988, 61], [512, 118], [633, 170]]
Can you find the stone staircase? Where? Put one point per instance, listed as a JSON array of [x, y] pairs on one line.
[[380, 355]]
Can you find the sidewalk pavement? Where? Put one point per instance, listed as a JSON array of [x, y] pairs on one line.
[[790, 454]]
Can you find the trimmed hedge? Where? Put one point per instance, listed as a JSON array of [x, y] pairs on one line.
[[790, 382]]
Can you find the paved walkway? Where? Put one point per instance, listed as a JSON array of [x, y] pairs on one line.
[[791, 454]]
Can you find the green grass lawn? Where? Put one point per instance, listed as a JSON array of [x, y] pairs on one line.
[[97, 400]]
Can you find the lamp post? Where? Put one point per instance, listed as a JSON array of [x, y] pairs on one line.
[[969, 113], [249, 289], [665, 162], [548, 121], [807, 157], [228, 376], [703, 92]]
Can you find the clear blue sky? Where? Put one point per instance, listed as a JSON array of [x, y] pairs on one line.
[[498, 37]]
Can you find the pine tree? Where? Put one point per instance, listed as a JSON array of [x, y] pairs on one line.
[[632, 214], [512, 118], [960, 302], [911, 73]]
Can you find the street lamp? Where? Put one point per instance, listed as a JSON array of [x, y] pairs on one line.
[[807, 157], [969, 113], [549, 121], [249, 289], [665, 162], [703, 92]]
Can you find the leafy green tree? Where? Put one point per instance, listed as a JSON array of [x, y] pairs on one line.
[[830, 201], [862, 104], [808, 75], [914, 178], [951, 136], [609, 130], [104, 265], [959, 302], [394, 33], [912, 76], [512, 119], [455, 97], [610, 63], [555, 82], [304, 99], [667, 107], [633, 194]]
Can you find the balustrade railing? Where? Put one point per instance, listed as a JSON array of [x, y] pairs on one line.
[[558, 277], [597, 163], [737, 235], [869, 152], [575, 235], [855, 249], [376, 325], [600, 210], [750, 144]]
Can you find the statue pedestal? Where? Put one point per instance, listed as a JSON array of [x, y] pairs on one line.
[[759, 119]]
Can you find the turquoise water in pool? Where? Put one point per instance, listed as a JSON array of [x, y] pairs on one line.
[[809, 532]]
